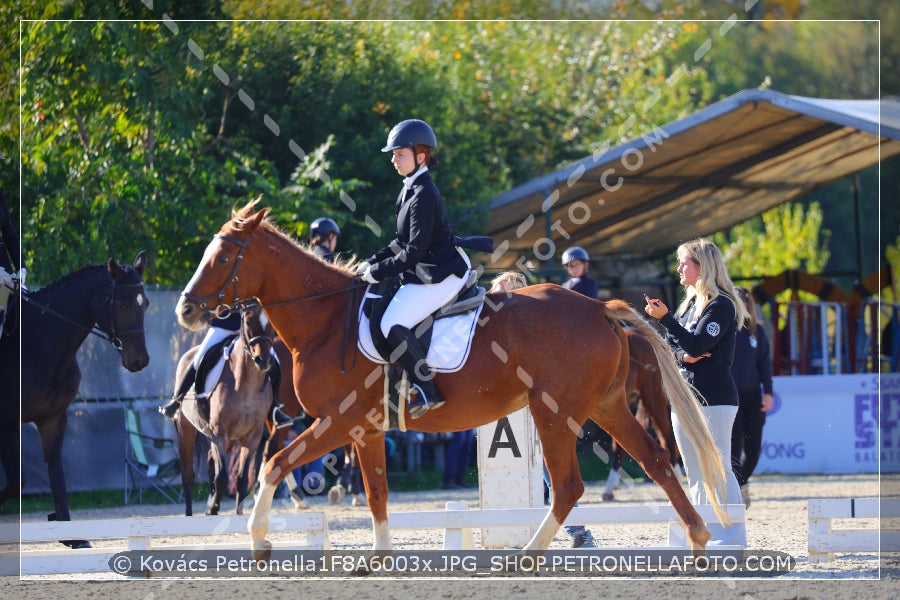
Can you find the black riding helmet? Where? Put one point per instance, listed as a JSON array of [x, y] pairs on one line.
[[409, 134], [323, 226]]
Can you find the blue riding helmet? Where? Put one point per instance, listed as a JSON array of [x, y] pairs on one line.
[[575, 253], [410, 133], [323, 226]]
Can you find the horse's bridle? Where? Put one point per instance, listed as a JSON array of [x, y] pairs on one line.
[[248, 305], [223, 309], [115, 337]]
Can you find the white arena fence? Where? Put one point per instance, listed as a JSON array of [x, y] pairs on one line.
[[141, 534], [826, 540], [150, 533]]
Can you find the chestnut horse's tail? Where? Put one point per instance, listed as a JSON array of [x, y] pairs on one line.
[[682, 399]]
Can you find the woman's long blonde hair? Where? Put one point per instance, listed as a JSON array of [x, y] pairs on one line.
[[713, 280], [751, 322]]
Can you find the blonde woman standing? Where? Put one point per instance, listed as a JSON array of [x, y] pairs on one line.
[[702, 333]]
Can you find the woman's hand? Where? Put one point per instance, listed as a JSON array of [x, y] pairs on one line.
[[655, 307], [687, 358]]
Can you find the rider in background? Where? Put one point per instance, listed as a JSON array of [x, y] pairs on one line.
[[323, 233], [576, 261], [219, 329]]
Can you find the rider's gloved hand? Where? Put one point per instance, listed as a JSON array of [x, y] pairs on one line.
[[364, 272]]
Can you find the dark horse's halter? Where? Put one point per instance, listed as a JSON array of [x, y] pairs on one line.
[[115, 338], [224, 309]]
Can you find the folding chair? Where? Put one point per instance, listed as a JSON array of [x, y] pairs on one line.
[[151, 461]]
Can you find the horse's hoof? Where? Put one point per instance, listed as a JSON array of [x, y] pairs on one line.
[[299, 503], [357, 501], [77, 544], [263, 553], [336, 494], [607, 496]]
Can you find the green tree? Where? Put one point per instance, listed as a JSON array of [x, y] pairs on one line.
[[789, 236]]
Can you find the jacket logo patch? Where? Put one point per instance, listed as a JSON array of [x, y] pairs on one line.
[[713, 328]]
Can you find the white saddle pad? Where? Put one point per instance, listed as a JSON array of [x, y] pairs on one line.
[[451, 341], [212, 378]]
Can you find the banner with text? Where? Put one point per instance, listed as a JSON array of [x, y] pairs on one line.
[[830, 424]]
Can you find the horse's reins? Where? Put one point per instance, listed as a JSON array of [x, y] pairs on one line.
[[113, 339], [223, 309]]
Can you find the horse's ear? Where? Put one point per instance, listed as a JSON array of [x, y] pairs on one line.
[[140, 262], [114, 269], [258, 218]]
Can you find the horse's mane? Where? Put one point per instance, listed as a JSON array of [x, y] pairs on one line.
[[64, 279], [241, 216]]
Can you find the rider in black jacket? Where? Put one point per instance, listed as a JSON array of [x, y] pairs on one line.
[[431, 268]]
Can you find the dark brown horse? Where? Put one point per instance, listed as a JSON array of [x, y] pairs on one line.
[[559, 353], [107, 300], [235, 416], [648, 401]]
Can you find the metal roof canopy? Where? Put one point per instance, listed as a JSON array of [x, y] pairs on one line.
[[719, 167]]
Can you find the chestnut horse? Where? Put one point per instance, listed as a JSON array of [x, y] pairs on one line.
[[563, 355]]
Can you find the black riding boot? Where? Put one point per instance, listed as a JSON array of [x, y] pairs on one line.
[[279, 417], [170, 409], [412, 359]]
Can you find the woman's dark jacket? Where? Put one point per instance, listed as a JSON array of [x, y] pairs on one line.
[[713, 332]]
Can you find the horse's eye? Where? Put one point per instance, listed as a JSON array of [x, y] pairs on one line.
[[223, 260]]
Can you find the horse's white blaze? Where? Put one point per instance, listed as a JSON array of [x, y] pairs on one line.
[[211, 249], [382, 535]]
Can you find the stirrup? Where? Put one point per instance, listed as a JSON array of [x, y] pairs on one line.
[[170, 408], [421, 404], [279, 416]]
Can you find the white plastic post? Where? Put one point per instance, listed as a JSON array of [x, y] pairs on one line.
[[457, 538], [510, 474]]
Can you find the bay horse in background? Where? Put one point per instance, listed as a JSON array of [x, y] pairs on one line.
[[647, 399], [233, 415], [561, 354], [107, 300]]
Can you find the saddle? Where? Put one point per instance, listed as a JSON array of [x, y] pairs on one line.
[[211, 366], [446, 335]]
